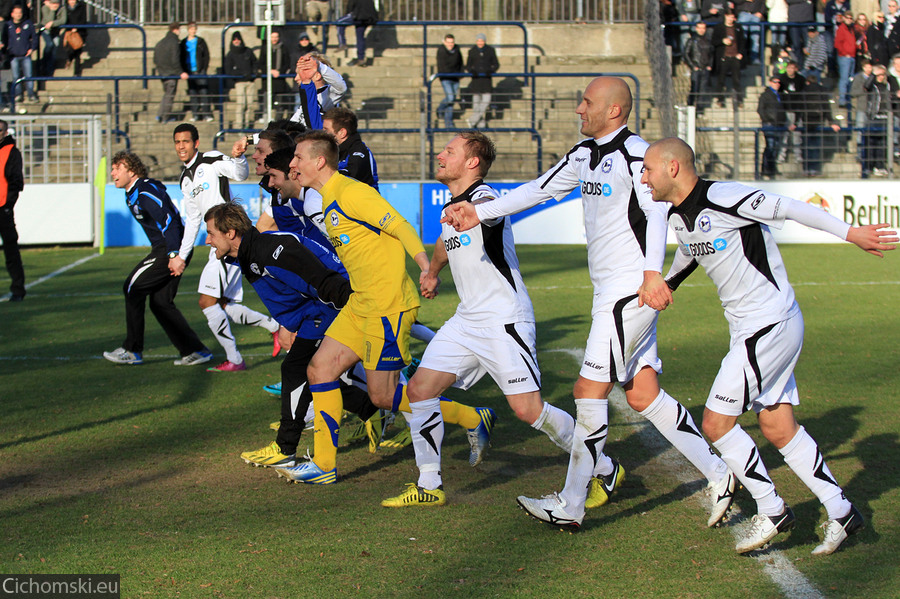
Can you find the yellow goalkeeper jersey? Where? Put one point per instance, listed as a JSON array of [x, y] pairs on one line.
[[370, 236]]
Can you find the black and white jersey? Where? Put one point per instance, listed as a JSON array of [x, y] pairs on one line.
[[204, 183], [625, 228], [485, 267], [724, 227]]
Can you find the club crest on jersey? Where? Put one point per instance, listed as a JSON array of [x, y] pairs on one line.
[[334, 219], [705, 224], [720, 244], [756, 202], [606, 166], [277, 252], [254, 268]]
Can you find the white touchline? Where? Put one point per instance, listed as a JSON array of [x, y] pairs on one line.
[[58, 271], [780, 570]]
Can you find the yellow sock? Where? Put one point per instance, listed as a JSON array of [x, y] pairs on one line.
[[452, 412], [328, 403]]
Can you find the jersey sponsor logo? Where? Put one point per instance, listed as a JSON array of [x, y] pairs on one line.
[[345, 239], [196, 191], [720, 244], [757, 201], [456, 242], [254, 267], [591, 188], [336, 241], [465, 239], [277, 252], [606, 166], [725, 399], [334, 219], [705, 224], [520, 379], [704, 248], [385, 219], [607, 190]]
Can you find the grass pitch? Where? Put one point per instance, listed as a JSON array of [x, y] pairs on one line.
[[135, 470]]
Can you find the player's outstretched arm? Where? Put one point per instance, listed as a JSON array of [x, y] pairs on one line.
[[873, 239], [429, 281], [461, 216]]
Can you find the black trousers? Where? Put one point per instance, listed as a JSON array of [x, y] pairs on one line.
[[294, 383], [10, 238], [151, 278]]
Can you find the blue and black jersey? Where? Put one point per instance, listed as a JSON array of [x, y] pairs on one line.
[[152, 207]]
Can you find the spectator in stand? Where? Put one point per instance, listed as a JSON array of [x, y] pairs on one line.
[[240, 62], [792, 83], [815, 119], [167, 59], [281, 89], [894, 69], [698, 55], [688, 12], [728, 41], [363, 14], [785, 56], [834, 16], [859, 98], [481, 63], [876, 36], [894, 81], [816, 55], [76, 14], [770, 109], [20, 42], [316, 11], [304, 47], [845, 48], [194, 54], [778, 13], [880, 96], [752, 12], [892, 29], [800, 11], [52, 16], [449, 60], [861, 28], [330, 88], [671, 33], [712, 10]]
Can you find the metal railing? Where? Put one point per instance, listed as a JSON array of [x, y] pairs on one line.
[[160, 12]]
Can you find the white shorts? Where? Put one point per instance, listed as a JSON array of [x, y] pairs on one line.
[[621, 342], [758, 371], [221, 280], [506, 352]]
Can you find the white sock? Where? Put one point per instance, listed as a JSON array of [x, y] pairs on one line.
[[675, 423], [556, 424], [221, 329], [803, 456], [589, 438], [241, 314], [427, 428], [421, 332], [740, 453]]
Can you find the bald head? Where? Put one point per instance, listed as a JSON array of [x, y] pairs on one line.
[[669, 170], [605, 106]]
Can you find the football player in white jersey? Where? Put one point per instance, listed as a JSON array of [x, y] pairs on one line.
[[724, 227], [204, 183], [492, 331], [626, 246]]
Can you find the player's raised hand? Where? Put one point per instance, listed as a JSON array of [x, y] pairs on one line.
[[873, 239], [307, 67], [461, 216]]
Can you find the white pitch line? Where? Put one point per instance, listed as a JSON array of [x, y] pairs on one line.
[[709, 284], [779, 568], [151, 357], [56, 272]]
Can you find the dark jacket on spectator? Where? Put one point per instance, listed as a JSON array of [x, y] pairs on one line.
[[878, 44], [167, 56], [801, 11], [893, 40], [880, 96], [77, 15], [19, 39], [790, 91], [698, 51], [449, 61], [482, 63], [718, 34], [750, 6], [202, 56], [708, 5], [363, 11], [771, 109], [815, 107], [240, 61]]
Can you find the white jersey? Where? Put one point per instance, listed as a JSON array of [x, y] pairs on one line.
[[485, 267], [204, 183], [724, 227], [625, 228]]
